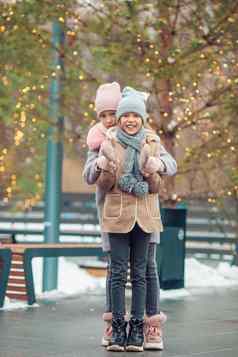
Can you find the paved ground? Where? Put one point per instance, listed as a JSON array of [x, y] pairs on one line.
[[201, 325]]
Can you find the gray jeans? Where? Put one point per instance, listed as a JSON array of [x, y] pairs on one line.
[[152, 305], [152, 283], [135, 245]]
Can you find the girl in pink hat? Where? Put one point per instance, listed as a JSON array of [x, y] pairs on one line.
[[107, 98]]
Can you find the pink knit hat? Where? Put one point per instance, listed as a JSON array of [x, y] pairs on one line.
[[107, 97]]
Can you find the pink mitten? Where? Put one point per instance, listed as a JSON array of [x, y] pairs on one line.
[[105, 165], [102, 162], [95, 137], [108, 151], [150, 162], [153, 164]]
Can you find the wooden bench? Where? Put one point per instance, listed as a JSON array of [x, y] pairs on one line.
[[79, 227], [18, 277]]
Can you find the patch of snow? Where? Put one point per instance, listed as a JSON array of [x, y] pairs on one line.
[[228, 271], [174, 294], [15, 304], [201, 275], [71, 279]]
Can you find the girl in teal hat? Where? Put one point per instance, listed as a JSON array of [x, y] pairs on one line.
[[130, 214], [166, 165]]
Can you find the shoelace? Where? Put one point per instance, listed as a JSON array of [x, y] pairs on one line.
[[108, 330], [134, 329], [153, 331], [119, 328]]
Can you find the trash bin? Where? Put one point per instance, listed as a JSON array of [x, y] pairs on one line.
[[171, 251]]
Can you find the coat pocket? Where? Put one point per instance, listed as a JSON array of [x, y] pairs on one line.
[[113, 205], [152, 205]]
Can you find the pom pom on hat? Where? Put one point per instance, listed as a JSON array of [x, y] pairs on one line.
[[132, 101], [108, 96]]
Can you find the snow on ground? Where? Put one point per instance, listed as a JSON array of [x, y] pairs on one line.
[[201, 275], [13, 304], [228, 272], [74, 281]]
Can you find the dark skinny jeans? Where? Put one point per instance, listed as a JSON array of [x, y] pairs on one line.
[[152, 284], [135, 245]]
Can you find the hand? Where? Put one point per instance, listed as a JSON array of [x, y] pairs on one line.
[[108, 151], [150, 163], [153, 164], [103, 163]]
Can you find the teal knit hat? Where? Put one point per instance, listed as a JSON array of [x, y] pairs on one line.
[[132, 101]]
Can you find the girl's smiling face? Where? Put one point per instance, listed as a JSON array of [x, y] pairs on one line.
[[131, 123]]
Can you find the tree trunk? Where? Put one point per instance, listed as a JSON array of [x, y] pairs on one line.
[[162, 88]]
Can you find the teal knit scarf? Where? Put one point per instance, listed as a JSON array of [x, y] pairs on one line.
[[132, 180]]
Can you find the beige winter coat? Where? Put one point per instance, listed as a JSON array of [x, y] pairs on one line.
[[122, 210]]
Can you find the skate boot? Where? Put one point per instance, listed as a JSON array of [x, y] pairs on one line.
[[118, 339], [136, 336], [153, 336], [107, 334]]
